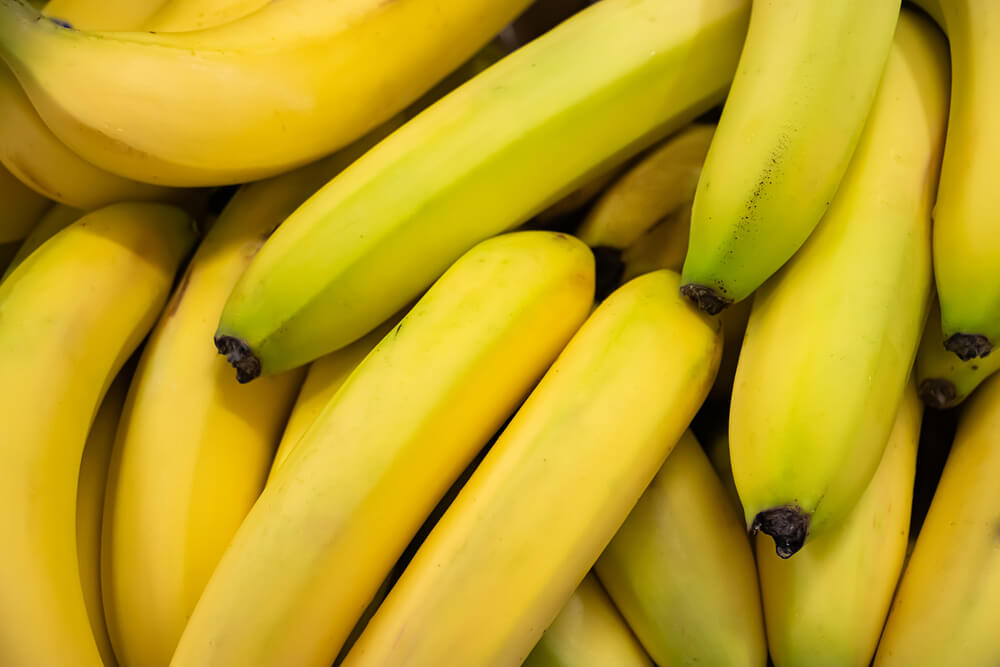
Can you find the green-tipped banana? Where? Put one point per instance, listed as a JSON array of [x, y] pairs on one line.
[[588, 632], [805, 83], [826, 607], [832, 338], [681, 570], [943, 379], [598, 88]]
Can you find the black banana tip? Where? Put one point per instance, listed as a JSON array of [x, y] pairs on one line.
[[787, 525], [608, 270], [242, 358], [969, 346], [706, 298], [937, 393]]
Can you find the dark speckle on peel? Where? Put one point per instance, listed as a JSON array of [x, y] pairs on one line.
[[61, 23]]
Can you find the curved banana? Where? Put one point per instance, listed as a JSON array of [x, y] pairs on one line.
[[805, 83], [247, 99], [323, 380], [662, 183], [831, 340], [681, 569], [967, 210], [514, 139], [341, 509], [946, 609], [21, 208], [55, 220], [588, 632], [71, 315], [551, 492], [943, 379], [90, 508], [826, 607]]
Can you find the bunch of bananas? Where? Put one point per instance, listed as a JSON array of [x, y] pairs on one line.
[[565, 333]]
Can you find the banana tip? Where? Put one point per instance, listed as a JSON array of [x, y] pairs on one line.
[[706, 298], [239, 354], [937, 393], [968, 346], [608, 270], [787, 525]]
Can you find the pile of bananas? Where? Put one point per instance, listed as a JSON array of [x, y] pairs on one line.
[[566, 333]]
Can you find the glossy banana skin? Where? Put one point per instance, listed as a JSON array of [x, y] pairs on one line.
[[832, 338], [86, 298], [806, 80]]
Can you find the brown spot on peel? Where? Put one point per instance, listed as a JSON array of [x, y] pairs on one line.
[[706, 298], [788, 525], [239, 354]]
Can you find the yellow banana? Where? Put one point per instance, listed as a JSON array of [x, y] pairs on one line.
[[21, 208], [104, 14], [681, 570], [247, 99], [185, 15], [946, 609], [324, 378], [90, 508], [967, 210], [55, 220], [343, 506], [593, 91], [806, 80], [717, 450], [69, 317], [588, 632], [194, 447], [662, 183], [550, 494], [943, 379], [832, 338], [826, 607]]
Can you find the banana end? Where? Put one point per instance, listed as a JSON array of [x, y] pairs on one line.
[[787, 525], [968, 346], [937, 393], [706, 298], [240, 356]]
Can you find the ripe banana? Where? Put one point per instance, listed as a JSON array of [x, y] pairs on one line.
[[21, 208], [90, 508], [596, 89], [243, 100], [324, 378], [826, 607], [805, 83], [550, 494], [194, 447], [681, 569], [588, 632], [832, 338], [70, 315], [967, 210], [341, 509], [54, 220], [946, 609], [661, 184], [943, 379]]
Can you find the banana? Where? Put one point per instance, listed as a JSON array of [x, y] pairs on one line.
[[832, 338], [826, 607], [662, 183], [185, 15], [21, 207], [104, 14], [967, 210], [324, 378], [550, 494], [55, 220], [945, 611], [195, 447], [590, 93], [943, 379], [806, 80], [343, 506], [588, 632], [90, 508], [681, 569], [70, 315], [717, 449], [244, 100]]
